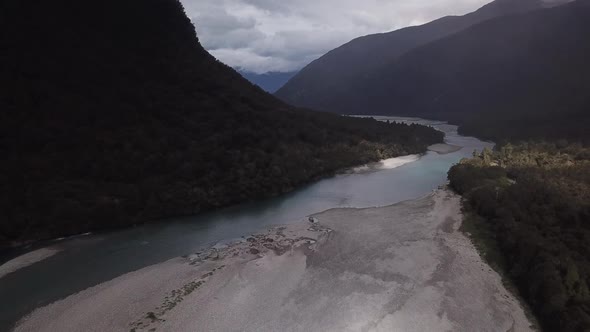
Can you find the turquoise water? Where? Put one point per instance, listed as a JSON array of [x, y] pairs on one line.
[[90, 260]]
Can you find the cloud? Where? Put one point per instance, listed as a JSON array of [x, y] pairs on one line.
[[284, 35]]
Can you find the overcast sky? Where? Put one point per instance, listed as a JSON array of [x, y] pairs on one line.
[[284, 35]]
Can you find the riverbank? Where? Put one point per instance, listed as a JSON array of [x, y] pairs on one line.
[[402, 267], [373, 165], [27, 259]]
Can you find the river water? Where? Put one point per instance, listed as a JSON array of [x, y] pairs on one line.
[[90, 260]]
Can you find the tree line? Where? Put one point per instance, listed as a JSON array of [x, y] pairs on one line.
[[529, 206]]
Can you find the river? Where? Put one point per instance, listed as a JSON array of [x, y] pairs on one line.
[[89, 260]]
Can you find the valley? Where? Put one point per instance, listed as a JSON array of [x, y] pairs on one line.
[[431, 173]]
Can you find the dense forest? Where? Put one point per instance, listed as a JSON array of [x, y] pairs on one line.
[[116, 115], [528, 208]]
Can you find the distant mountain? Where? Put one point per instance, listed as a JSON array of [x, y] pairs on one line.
[[112, 114], [269, 82], [325, 83], [519, 76]]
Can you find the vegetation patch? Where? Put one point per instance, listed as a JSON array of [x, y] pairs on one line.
[[483, 238], [528, 212]]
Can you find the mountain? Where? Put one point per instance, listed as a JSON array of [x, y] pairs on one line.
[[521, 76], [112, 114], [325, 82], [269, 82]]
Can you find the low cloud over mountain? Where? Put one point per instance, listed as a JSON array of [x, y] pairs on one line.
[[260, 36]]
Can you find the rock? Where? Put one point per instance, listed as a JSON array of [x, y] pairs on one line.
[[254, 251], [312, 220], [213, 254], [286, 243]]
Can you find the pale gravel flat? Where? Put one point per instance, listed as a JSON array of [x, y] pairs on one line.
[[27, 259], [405, 267]]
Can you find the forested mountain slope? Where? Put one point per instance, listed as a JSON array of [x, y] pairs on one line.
[[113, 114], [326, 83], [521, 76]]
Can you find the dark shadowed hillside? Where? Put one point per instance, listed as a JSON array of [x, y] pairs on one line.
[[522, 76], [326, 83], [113, 114]]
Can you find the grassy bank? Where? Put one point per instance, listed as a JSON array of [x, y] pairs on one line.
[[483, 238]]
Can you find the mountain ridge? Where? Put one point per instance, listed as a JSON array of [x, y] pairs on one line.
[[270, 81], [530, 69], [322, 83]]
